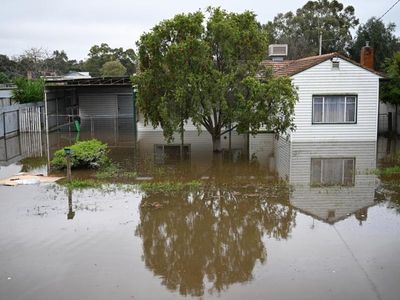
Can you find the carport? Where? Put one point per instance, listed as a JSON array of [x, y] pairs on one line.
[[98, 103]]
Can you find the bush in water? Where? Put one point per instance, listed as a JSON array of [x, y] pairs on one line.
[[85, 154]]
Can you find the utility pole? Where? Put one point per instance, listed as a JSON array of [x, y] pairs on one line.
[[320, 43]]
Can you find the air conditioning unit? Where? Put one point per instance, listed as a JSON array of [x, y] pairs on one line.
[[278, 51]]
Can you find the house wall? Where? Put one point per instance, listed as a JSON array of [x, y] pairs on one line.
[[261, 148], [148, 127], [349, 79]]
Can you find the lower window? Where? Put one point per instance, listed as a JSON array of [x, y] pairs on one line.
[[332, 171], [334, 109]]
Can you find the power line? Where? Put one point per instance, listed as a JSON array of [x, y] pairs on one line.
[[389, 9]]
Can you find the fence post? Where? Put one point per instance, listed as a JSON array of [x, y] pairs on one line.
[[390, 122]]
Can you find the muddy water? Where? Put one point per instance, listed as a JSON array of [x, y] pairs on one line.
[[329, 231]]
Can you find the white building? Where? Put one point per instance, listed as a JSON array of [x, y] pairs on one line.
[[338, 98]]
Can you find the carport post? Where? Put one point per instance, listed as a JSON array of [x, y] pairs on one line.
[[47, 130], [134, 111]]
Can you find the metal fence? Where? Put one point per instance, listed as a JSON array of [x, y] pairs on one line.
[[9, 123], [17, 118]]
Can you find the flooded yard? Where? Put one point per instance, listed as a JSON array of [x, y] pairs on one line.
[[263, 219]]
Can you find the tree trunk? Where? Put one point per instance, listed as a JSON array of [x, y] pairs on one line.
[[182, 141], [395, 121], [216, 140]]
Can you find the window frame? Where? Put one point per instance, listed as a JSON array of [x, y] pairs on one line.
[[323, 102], [343, 160]]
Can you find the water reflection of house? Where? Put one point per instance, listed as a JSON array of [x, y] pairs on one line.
[[331, 180]]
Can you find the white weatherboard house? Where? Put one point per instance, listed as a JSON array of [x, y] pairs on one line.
[[338, 98]]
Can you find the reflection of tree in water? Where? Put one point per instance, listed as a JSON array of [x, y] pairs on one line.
[[213, 234]]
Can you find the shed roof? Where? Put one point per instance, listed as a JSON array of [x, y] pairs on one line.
[[95, 81], [293, 67]]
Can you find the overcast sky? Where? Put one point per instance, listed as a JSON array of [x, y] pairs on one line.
[[76, 25]]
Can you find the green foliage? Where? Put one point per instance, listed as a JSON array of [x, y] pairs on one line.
[[79, 184], [8, 67], [112, 170], [99, 55], [113, 68], [86, 154], [4, 78], [169, 186], [380, 37], [388, 171], [301, 30], [28, 90], [390, 89], [198, 68]]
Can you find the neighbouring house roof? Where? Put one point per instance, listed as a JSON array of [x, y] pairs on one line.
[[293, 67], [76, 74]]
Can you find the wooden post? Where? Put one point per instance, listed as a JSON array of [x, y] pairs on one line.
[[69, 167], [67, 153]]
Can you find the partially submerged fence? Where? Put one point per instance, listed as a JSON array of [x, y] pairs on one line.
[[30, 119], [17, 118]]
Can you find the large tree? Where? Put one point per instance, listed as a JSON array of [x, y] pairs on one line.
[[390, 88], [380, 37], [113, 68], [99, 55], [302, 30], [8, 67], [208, 70]]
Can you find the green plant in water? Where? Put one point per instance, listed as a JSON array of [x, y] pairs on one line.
[[85, 154], [388, 171], [80, 184], [112, 170], [169, 186]]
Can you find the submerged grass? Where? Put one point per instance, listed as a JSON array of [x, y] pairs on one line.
[[79, 184], [169, 186], [388, 171], [114, 171]]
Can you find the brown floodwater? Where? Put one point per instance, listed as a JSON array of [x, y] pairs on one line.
[[265, 219]]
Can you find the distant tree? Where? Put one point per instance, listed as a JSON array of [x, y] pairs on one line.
[[113, 68], [381, 39], [8, 67], [301, 31], [33, 60], [99, 55], [58, 63], [28, 90], [390, 89], [4, 78], [206, 70]]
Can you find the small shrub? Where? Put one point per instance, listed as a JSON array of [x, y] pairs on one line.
[[85, 154]]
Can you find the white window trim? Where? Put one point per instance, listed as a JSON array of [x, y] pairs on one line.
[[345, 110]]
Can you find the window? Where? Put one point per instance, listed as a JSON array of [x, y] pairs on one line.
[[334, 109], [332, 171]]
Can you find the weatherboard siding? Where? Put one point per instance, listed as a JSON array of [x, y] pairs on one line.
[[323, 80]]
